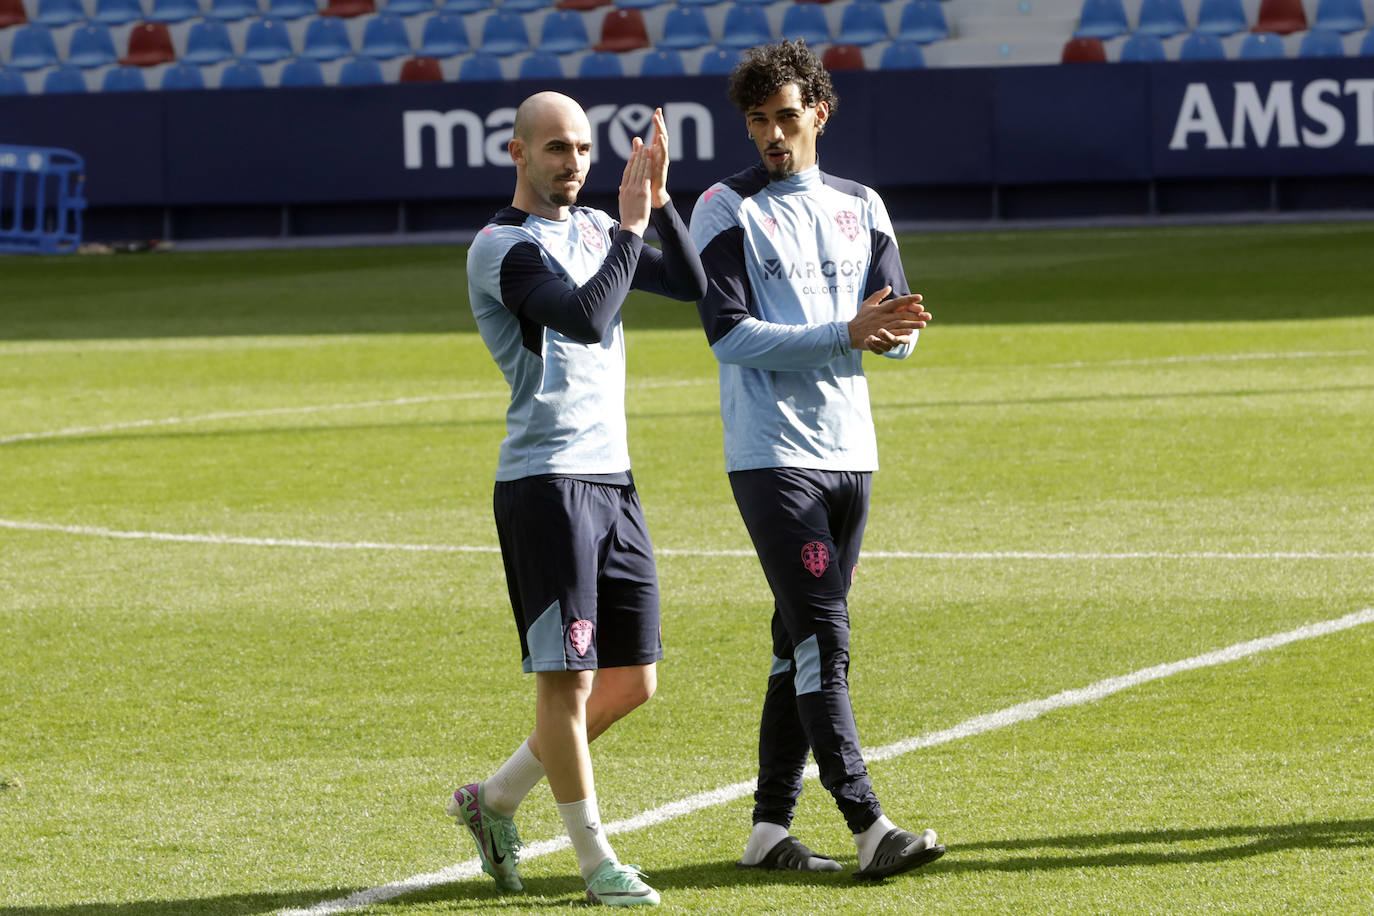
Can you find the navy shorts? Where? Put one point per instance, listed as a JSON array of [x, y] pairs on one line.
[[580, 569]]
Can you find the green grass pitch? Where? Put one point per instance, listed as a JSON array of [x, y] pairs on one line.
[[1114, 449]]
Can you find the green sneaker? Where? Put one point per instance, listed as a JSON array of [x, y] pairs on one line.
[[498, 843], [614, 884]]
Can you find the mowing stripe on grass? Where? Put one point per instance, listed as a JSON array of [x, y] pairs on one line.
[[238, 541], [1011, 715]]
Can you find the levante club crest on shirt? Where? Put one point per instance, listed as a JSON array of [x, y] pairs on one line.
[[591, 234], [849, 224], [816, 558]]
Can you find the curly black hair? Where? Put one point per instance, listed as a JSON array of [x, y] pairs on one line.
[[767, 68]]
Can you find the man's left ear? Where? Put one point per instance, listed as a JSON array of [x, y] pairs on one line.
[[822, 115]]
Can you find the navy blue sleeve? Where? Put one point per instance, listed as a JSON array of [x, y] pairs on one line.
[[886, 268], [535, 293], [728, 295], [676, 271]]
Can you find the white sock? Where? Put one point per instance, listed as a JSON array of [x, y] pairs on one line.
[[509, 785], [762, 838], [583, 821], [868, 840]]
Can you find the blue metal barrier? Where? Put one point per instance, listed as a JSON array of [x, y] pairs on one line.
[[40, 199]]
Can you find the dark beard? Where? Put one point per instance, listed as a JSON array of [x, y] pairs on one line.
[[558, 198]]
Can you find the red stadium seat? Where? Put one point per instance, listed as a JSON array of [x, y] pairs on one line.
[[12, 13], [843, 57], [346, 9], [623, 30], [1084, 51], [150, 44], [421, 70], [1281, 16]]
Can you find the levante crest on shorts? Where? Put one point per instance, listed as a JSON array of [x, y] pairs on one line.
[[816, 558], [849, 224], [580, 635]]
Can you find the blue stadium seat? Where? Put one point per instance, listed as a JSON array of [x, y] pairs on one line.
[[241, 74], [183, 75], [267, 42], [640, 4], [600, 65], [805, 21], [291, 9], [902, 55], [1202, 46], [301, 72], [1162, 18], [232, 10], [92, 46], [718, 61], [174, 10], [1339, 16], [1102, 19], [663, 62], [922, 21], [1321, 43], [1367, 44], [746, 26], [58, 12], [862, 23], [1261, 46], [32, 48], [208, 42], [65, 78], [480, 68], [540, 65], [407, 7], [12, 82], [444, 36], [684, 28], [326, 38], [385, 38], [117, 12], [504, 34], [463, 6], [123, 79], [755, 2], [699, 2], [361, 71], [1142, 49], [563, 32], [1221, 17], [525, 6]]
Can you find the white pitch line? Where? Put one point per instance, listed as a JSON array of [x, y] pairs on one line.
[[1203, 358], [302, 543], [1011, 715]]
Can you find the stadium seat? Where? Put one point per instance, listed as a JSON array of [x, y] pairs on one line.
[[1321, 43], [623, 30], [563, 32], [699, 2], [745, 26], [59, 12], [684, 28], [922, 21], [902, 55], [385, 38], [407, 7], [1339, 16], [182, 75], [663, 62], [540, 65], [755, 2], [92, 46], [1367, 44], [503, 34], [1083, 51], [33, 48], [12, 82], [301, 73], [1140, 48], [291, 9], [241, 74], [360, 71], [640, 4], [117, 12], [326, 38], [208, 42], [718, 61], [347, 9], [421, 70], [65, 78], [123, 79], [1281, 16], [525, 6], [805, 21], [1162, 18], [1261, 46], [463, 7], [862, 23], [12, 12], [1221, 17], [267, 42], [174, 10], [232, 10], [480, 68], [1102, 19], [600, 65], [843, 57], [581, 5], [1202, 46], [444, 36], [150, 44]]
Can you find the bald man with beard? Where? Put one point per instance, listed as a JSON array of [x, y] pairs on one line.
[[546, 281]]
